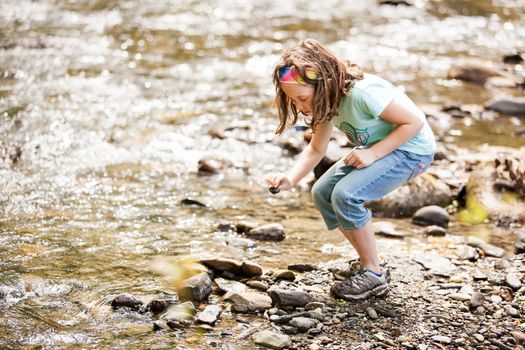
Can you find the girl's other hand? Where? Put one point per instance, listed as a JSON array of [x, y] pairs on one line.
[[360, 158], [279, 180]]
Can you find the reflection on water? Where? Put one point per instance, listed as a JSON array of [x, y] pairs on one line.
[[105, 108]]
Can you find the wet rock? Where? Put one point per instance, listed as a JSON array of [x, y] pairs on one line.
[[302, 267], [508, 106], [210, 315], [196, 288], [436, 265], [259, 285], [244, 227], [434, 230], [303, 324], [248, 302], [513, 281], [180, 314], [192, 203], [225, 285], [474, 71], [284, 297], [251, 269], [268, 232], [431, 215], [272, 340], [126, 301], [224, 265], [387, 229], [209, 166], [405, 200], [160, 325], [513, 58], [158, 306]]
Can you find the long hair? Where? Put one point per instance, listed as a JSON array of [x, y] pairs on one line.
[[335, 78]]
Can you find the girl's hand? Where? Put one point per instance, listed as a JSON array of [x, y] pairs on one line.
[[279, 180], [360, 158]]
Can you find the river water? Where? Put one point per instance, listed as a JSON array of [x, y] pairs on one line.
[[105, 109]]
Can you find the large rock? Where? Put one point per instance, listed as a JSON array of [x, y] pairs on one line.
[[196, 288], [483, 201], [283, 297], [268, 232], [475, 71], [431, 215], [404, 201], [248, 302], [508, 106]]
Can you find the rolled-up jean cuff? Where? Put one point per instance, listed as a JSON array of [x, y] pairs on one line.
[[359, 224]]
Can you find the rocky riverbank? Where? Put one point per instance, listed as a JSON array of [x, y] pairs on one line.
[[445, 292]]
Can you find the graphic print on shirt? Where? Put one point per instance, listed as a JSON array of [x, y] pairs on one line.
[[357, 137]]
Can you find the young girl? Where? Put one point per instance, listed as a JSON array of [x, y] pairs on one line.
[[392, 143]]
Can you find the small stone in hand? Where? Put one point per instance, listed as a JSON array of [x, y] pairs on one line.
[[275, 189]]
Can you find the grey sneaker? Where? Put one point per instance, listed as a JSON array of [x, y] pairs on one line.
[[360, 286]]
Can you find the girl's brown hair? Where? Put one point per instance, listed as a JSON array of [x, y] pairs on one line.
[[335, 78]]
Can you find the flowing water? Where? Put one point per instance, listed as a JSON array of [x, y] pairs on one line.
[[105, 109]]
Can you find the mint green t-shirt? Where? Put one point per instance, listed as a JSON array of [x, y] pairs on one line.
[[359, 113]]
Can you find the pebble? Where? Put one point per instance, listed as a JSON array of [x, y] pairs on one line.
[[371, 312], [441, 339], [513, 281]]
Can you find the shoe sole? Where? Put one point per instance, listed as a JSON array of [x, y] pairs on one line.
[[377, 291]]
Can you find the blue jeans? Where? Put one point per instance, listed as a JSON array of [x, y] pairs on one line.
[[340, 193]]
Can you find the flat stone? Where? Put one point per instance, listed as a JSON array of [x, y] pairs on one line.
[[248, 302], [230, 286], [442, 339], [210, 314], [386, 229], [436, 265], [268, 232], [272, 340], [303, 324]]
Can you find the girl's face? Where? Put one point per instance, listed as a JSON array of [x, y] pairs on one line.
[[302, 96]]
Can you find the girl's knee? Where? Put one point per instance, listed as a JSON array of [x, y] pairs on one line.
[[320, 192]]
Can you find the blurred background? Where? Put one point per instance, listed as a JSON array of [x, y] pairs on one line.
[[106, 107]]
